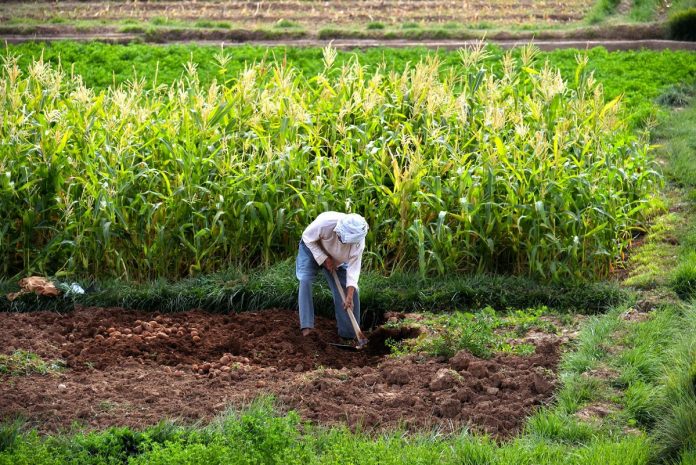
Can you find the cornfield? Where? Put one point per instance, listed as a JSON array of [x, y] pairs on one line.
[[458, 169]]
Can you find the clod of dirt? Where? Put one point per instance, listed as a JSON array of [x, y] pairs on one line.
[[542, 385], [449, 408], [443, 379], [397, 375], [596, 411], [464, 394], [461, 360], [635, 316], [478, 369]]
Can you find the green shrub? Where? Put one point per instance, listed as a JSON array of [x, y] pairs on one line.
[[682, 25], [678, 95], [375, 25]]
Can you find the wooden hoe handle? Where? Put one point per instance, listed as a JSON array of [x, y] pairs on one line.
[[362, 340]]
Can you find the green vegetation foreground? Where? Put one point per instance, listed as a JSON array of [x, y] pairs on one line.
[[455, 169]]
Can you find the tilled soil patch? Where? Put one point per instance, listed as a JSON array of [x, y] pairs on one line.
[[132, 368]]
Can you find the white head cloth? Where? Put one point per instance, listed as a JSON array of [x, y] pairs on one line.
[[352, 228]]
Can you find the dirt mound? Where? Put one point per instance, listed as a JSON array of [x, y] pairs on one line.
[[96, 338], [193, 365]]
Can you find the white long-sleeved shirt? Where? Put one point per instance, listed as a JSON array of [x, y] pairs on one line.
[[323, 242]]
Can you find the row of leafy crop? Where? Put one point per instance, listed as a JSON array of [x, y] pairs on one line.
[[521, 173], [638, 75]]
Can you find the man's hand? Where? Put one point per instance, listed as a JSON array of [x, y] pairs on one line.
[[330, 264], [348, 303]]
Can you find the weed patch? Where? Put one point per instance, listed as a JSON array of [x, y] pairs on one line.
[[21, 362]]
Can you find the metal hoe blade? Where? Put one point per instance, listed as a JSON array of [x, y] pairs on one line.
[[345, 346]]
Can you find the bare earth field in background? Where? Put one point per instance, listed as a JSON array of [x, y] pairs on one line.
[[309, 14]]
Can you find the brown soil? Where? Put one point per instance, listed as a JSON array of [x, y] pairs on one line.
[[133, 368], [317, 14]]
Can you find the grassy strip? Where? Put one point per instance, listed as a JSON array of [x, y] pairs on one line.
[[629, 377], [681, 150], [636, 371], [277, 287], [259, 435], [638, 10]]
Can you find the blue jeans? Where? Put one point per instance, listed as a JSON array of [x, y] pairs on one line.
[[306, 269]]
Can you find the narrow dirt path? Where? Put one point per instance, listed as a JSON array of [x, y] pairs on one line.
[[349, 44]]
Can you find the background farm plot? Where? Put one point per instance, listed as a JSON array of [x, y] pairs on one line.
[[241, 21], [310, 14]]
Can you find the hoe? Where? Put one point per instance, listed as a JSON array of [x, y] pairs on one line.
[[362, 340]]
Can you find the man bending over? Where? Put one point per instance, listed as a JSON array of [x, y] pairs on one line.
[[333, 242]]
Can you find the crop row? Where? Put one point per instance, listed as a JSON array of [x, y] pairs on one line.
[[640, 76], [455, 169]]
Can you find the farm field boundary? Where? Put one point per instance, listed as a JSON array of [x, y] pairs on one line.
[[351, 44], [277, 288]]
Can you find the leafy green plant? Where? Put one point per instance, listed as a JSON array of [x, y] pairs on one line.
[[522, 321], [682, 25], [479, 333], [21, 362]]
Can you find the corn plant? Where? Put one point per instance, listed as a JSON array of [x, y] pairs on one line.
[[458, 169]]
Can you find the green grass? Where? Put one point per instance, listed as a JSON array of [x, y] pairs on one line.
[[260, 435], [376, 25], [212, 24], [21, 362], [601, 10], [667, 255], [646, 369], [679, 148], [483, 334], [684, 278], [651, 262], [276, 287], [638, 11]]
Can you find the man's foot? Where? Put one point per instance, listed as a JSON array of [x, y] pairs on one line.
[[307, 331]]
